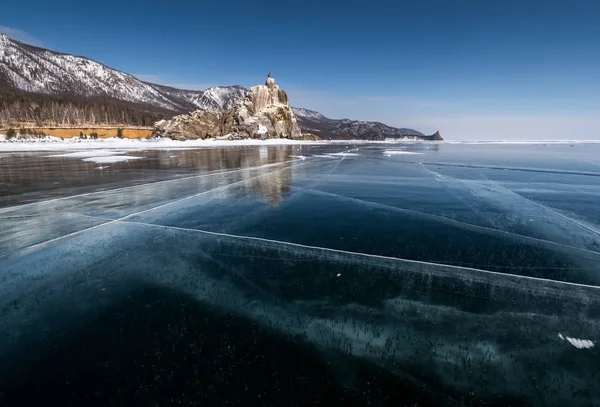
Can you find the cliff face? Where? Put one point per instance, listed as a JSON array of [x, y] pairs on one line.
[[264, 113]]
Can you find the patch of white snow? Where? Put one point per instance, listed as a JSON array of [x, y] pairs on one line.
[[581, 343], [111, 159], [578, 343], [87, 154]]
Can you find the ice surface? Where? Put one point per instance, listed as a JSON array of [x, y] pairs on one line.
[[120, 144], [345, 154], [399, 311], [400, 152], [541, 220], [524, 142], [56, 144], [446, 274]]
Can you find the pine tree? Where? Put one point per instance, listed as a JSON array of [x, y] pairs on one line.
[[120, 133], [10, 133]]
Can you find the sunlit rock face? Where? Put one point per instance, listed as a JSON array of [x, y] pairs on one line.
[[268, 94], [200, 124], [264, 113]]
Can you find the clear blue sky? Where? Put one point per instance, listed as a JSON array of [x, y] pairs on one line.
[[472, 69]]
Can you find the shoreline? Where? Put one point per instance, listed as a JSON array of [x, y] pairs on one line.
[[74, 144], [53, 144]]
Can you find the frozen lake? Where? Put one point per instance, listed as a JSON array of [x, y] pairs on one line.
[[437, 274]]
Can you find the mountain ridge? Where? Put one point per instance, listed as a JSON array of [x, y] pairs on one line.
[[30, 69], [338, 129], [56, 76]]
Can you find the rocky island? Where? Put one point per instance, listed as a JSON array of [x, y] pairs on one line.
[[264, 113]]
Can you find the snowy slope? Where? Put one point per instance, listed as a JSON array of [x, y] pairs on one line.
[[308, 114], [37, 70], [220, 97]]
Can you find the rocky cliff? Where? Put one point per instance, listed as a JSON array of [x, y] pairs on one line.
[[264, 113]]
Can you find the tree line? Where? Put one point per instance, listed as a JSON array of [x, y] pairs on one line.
[[42, 110], [24, 132]]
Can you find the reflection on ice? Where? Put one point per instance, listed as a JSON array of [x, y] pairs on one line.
[[267, 178], [28, 178]]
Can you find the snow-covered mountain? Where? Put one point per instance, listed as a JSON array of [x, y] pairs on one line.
[[220, 97], [307, 114], [44, 73], [324, 127], [30, 69], [216, 98]]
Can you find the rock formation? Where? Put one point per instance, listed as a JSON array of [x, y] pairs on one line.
[[264, 113], [436, 136]]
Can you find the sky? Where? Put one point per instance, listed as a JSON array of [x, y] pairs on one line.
[[488, 70]]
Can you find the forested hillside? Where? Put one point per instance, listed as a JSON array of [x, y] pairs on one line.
[[42, 110]]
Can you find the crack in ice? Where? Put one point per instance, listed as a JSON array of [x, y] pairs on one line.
[[454, 222], [377, 256]]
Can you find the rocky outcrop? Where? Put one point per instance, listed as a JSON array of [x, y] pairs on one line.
[[436, 136], [199, 124], [264, 113]]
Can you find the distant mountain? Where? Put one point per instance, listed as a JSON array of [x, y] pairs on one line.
[[216, 98], [344, 129], [71, 90], [37, 70]]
